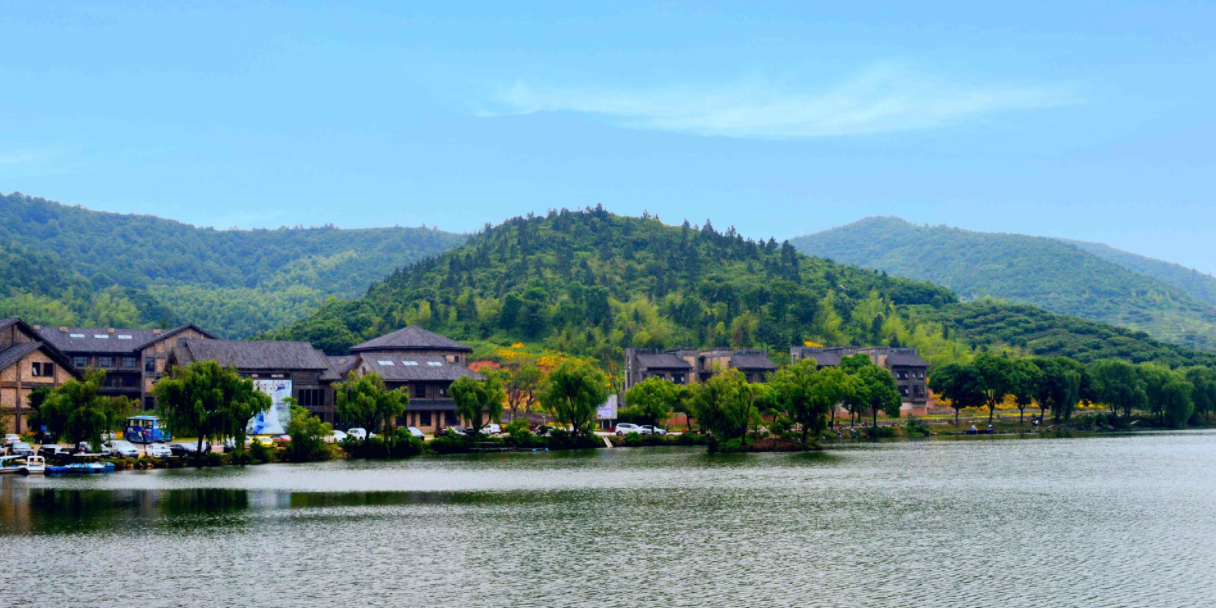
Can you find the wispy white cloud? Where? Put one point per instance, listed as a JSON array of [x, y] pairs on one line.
[[881, 99]]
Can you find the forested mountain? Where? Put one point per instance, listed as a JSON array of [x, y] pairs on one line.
[[69, 265], [1054, 275], [1198, 285], [592, 283]]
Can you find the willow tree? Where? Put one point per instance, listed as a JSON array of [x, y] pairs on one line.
[[208, 400], [365, 401], [573, 391], [478, 401], [808, 394]]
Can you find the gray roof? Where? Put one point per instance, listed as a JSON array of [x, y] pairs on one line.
[[824, 358], [14, 353], [254, 354], [751, 362], [663, 361], [411, 338], [396, 367], [343, 364], [106, 340]]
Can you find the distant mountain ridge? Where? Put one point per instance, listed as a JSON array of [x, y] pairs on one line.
[[1200, 286], [62, 264], [1058, 276]]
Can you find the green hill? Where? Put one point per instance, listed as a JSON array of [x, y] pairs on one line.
[[69, 265], [1054, 275], [1198, 285], [592, 283]]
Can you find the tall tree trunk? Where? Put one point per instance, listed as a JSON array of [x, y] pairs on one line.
[[1021, 416]]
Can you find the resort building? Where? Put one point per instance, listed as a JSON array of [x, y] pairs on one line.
[[686, 365], [133, 359], [910, 370], [422, 363], [279, 369], [27, 362]]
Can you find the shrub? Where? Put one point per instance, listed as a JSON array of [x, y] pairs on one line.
[[449, 444], [523, 438], [398, 444], [728, 446], [517, 426], [259, 454], [634, 439]]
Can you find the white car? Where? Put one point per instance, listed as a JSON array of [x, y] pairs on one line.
[[416, 432], [120, 449], [336, 437], [11, 438], [358, 433], [158, 450], [625, 428], [491, 429], [653, 430]]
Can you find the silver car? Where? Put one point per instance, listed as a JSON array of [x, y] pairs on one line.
[[120, 449]]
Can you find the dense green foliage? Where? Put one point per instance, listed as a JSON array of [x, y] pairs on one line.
[[365, 402], [592, 283], [478, 402], [57, 261], [1033, 331], [208, 401], [572, 392], [1045, 272], [1200, 286], [308, 434], [75, 411]]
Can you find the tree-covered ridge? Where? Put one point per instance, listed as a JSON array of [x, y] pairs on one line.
[[591, 282], [1198, 285], [1045, 272], [56, 261], [992, 325]]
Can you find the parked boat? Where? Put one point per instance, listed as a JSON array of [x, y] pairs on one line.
[[24, 465], [81, 468]]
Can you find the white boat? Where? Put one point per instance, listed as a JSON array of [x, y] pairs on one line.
[[25, 465], [34, 465]]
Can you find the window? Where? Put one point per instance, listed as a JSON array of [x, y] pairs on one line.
[[449, 419], [903, 375], [150, 365], [420, 391], [677, 378], [124, 337], [409, 363], [149, 403], [104, 362], [385, 362], [443, 391], [424, 419], [435, 363], [311, 397], [81, 362], [903, 390], [181, 341], [76, 335], [131, 362], [43, 370], [101, 336]]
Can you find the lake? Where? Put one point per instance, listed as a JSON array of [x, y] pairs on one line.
[[988, 521]]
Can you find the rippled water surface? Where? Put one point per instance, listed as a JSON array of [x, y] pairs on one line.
[[1110, 521]]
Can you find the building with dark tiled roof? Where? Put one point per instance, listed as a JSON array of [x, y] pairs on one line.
[[422, 363], [910, 370], [27, 362], [281, 369], [686, 365], [133, 359]]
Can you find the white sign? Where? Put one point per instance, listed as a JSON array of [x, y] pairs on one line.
[[607, 411], [274, 420]]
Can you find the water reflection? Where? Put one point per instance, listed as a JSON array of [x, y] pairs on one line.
[[959, 523]]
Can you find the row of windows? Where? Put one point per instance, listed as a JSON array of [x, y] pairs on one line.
[[311, 397], [110, 362], [43, 370], [904, 375]]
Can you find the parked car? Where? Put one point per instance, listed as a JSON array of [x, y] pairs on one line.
[[53, 451], [416, 432], [21, 448], [11, 438], [281, 440], [624, 428], [158, 450], [452, 430], [358, 433], [491, 429], [120, 449], [265, 440], [653, 430], [336, 437], [182, 449]]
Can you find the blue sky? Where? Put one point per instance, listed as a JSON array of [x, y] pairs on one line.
[[1086, 120]]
